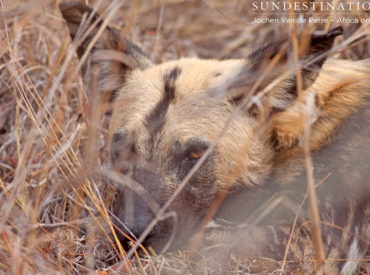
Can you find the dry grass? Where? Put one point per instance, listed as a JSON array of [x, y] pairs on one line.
[[53, 133]]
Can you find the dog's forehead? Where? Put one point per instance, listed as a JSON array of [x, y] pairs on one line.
[[193, 75], [171, 91]]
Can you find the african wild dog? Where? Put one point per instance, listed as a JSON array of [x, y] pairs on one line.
[[247, 131]]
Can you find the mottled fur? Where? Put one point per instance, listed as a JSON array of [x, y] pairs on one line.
[[167, 115]]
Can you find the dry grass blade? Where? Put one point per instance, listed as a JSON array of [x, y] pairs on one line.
[[57, 187]]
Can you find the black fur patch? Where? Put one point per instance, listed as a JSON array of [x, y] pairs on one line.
[[118, 145], [321, 43], [155, 120], [169, 84], [266, 53]]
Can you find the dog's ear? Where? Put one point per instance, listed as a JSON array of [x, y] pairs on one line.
[[113, 54], [280, 102], [312, 54]]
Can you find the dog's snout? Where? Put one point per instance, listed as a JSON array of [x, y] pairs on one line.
[[135, 208]]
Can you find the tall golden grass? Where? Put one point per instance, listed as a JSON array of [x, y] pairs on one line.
[[55, 199]]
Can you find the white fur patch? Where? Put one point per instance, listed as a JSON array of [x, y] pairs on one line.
[[350, 267]]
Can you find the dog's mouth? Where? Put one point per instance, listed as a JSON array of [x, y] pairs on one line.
[[146, 240]]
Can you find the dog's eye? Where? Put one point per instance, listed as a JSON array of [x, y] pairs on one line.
[[195, 150], [194, 155]]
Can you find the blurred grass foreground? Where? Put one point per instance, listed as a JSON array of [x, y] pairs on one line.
[[55, 203]]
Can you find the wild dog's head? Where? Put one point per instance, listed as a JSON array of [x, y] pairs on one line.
[[167, 117]]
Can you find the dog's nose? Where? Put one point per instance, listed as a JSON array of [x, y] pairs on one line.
[[141, 223]]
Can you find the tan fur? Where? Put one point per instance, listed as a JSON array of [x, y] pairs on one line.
[[144, 88], [340, 87], [194, 104]]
